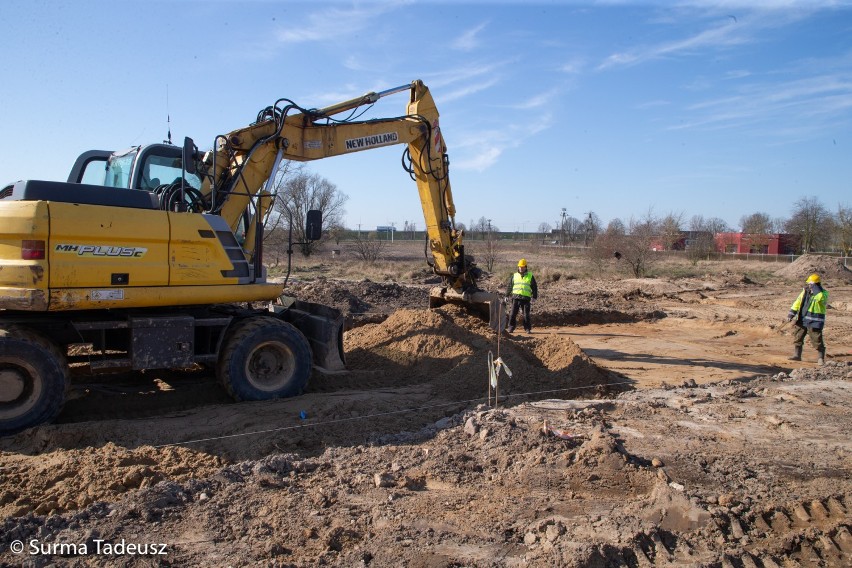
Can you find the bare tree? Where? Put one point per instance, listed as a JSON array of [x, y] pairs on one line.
[[491, 247], [471, 229], [573, 228], [483, 227], [756, 223], [703, 241], [616, 227], [544, 229], [286, 170], [336, 232], [302, 192], [843, 229], [409, 229], [636, 247], [368, 247], [670, 232], [758, 227], [606, 244], [812, 222]]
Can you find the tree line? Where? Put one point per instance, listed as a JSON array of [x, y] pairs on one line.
[[296, 191]]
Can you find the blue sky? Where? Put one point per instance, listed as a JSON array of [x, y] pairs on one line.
[[718, 108]]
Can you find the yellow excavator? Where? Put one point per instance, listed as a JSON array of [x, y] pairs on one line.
[[151, 258]]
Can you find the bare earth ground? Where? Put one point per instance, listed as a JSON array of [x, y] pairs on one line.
[[647, 422]]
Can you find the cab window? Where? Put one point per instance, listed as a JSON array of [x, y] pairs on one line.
[[94, 172], [161, 170], [118, 170]]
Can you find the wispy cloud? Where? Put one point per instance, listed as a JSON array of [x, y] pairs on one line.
[[536, 101], [573, 66], [653, 104], [716, 37], [334, 23], [469, 89], [469, 40], [728, 23], [806, 104], [466, 80], [471, 71], [482, 149]]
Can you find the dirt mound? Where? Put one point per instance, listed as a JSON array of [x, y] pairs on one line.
[[421, 343], [830, 269], [362, 297], [66, 481], [451, 347]]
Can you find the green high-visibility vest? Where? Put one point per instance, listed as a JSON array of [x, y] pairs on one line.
[[522, 284], [813, 315]]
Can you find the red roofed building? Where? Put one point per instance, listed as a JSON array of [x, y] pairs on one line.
[[778, 243]]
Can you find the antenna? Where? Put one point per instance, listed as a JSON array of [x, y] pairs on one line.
[[168, 118]]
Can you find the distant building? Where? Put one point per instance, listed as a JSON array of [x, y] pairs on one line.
[[742, 243], [684, 241]]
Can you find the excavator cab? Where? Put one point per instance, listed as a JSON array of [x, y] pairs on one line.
[[139, 167]]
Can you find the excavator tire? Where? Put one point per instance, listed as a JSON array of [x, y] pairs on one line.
[[263, 358], [33, 379]]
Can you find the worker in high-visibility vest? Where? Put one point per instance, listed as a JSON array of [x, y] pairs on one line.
[[809, 313], [523, 290]]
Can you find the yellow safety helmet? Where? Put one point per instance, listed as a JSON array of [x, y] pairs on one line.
[[522, 263], [813, 279]]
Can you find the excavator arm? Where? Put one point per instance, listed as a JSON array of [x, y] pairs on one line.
[[243, 162]]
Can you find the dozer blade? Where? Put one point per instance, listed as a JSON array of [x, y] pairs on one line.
[[486, 305], [323, 328]]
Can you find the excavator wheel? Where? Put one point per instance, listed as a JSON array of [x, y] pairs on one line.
[[263, 358], [33, 379]]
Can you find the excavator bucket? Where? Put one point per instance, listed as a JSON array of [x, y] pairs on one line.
[[485, 305]]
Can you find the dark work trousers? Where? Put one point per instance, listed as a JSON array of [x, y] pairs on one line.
[[815, 335], [524, 305]]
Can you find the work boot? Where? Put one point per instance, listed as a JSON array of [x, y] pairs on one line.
[[821, 360], [797, 354]]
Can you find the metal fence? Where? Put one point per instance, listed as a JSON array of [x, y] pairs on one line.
[[785, 258]]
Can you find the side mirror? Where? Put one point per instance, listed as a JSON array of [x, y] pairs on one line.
[[313, 225], [188, 155]]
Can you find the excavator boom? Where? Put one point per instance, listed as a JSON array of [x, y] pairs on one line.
[[243, 160]]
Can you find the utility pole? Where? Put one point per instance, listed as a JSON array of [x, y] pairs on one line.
[[562, 229]]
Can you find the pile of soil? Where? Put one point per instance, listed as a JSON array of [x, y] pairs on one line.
[[361, 298], [448, 346], [67, 481], [830, 269]]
